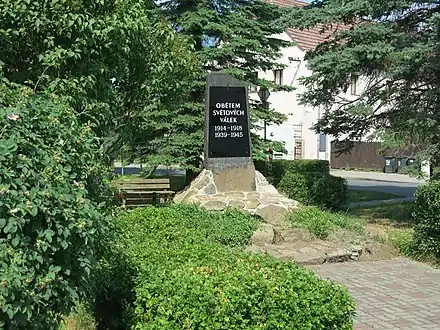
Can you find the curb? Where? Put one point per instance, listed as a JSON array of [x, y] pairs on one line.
[[382, 180]]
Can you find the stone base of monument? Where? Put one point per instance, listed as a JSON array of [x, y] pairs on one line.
[[265, 201]]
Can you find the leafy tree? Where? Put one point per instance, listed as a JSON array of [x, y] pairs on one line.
[[393, 46], [236, 37], [124, 70], [54, 215]]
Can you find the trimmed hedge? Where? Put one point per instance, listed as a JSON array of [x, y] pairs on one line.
[[280, 167], [189, 276], [427, 216], [314, 188]]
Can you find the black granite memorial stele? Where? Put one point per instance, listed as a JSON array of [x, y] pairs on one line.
[[228, 148]]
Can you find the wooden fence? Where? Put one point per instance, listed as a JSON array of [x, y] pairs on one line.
[[365, 155]]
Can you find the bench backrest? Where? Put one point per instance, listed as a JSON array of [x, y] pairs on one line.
[[144, 184]]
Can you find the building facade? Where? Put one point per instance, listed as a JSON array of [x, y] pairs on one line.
[[301, 142]]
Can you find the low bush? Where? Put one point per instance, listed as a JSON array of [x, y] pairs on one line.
[[314, 188], [320, 223], [330, 192], [191, 275], [80, 319], [427, 218], [177, 223], [402, 240], [279, 167]]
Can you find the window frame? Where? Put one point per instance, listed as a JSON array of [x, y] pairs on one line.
[[278, 76]]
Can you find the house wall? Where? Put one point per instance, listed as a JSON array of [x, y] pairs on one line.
[[299, 117]]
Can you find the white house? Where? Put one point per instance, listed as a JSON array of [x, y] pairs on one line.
[[301, 141]]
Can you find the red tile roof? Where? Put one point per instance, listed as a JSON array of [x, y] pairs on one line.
[[307, 39]]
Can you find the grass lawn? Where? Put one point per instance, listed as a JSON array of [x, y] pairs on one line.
[[368, 195], [398, 215], [390, 224]]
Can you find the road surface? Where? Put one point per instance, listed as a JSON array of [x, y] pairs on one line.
[[397, 184], [404, 189]]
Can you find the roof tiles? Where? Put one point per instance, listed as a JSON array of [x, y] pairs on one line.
[[306, 39]]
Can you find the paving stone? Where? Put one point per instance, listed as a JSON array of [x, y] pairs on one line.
[[391, 294]]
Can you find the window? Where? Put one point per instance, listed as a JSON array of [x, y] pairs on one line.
[[354, 85], [278, 77], [254, 88]]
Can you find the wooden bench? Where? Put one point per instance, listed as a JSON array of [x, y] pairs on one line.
[[141, 192]]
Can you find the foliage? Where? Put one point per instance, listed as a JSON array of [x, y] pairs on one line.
[[79, 319], [403, 240], [393, 47], [315, 188], [280, 167], [236, 38], [186, 279], [181, 222], [296, 186], [321, 223], [427, 218], [53, 210], [123, 69], [330, 192], [113, 292]]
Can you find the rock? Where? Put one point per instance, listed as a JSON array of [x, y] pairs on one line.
[[356, 252], [237, 204], [315, 258], [263, 186], [202, 180], [308, 250], [215, 205], [338, 256], [263, 235], [185, 195], [252, 203], [253, 195], [277, 237], [210, 189], [273, 214], [296, 234], [235, 195], [237, 188], [235, 179]]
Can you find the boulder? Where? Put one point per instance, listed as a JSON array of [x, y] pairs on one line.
[[263, 235], [274, 214]]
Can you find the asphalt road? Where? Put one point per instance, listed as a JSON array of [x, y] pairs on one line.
[[404, 189]]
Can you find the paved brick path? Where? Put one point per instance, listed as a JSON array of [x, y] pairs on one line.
[[391, 294]]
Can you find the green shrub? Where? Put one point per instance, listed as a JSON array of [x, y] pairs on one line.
[[52, 219], [281, 166], [320, 223], [187, 280], [314, 188], [402, 240], [179, 222], [427, 218], [330, 192], [80, 319], [296, 186]]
